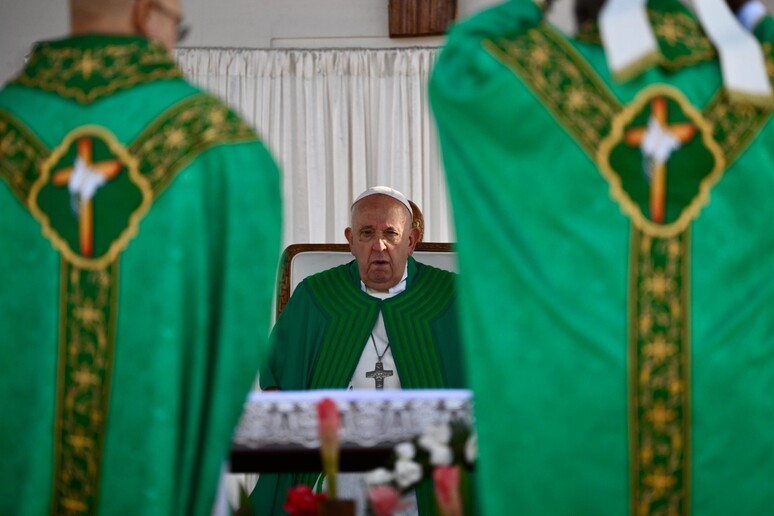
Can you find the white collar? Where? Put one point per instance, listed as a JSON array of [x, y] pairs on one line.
[[394, 291]]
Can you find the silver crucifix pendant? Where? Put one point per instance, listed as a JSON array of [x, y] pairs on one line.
[[379, 374]]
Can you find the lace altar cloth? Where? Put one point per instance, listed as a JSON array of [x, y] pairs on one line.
[[368, 418]]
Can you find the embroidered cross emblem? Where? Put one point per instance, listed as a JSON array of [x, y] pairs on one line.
[[379, 374], [83, 180], [657, 142]]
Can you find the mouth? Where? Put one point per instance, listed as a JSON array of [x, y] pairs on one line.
[[380, 263]]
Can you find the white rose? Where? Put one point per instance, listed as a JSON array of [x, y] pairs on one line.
[[405, 451], [440, 434], [440, 455], [407, 472], [378, 477], [471, 449], [427, 442]]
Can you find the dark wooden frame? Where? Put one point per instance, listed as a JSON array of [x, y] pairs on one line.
[[412, 18]]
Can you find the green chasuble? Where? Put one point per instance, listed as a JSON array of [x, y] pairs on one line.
[[139, 228], [617, 311], [322, 331]]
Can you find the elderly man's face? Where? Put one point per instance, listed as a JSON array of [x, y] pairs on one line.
[[381, 239]]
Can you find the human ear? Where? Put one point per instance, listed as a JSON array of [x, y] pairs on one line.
[[413, 239], [348, 236]]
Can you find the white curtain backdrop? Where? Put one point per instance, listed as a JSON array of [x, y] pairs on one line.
[[338, 121]]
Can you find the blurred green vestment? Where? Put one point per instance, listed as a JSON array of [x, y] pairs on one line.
[[139, 228], [616, 253]]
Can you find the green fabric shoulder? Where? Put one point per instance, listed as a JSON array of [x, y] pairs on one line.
[[424, 331], [468, 68], [310, 319]]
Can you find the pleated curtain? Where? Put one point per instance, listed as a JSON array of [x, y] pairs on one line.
[[337, 122]]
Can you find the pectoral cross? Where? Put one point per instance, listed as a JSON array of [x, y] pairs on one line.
[[379, 374], [657, 142], [83, 179]]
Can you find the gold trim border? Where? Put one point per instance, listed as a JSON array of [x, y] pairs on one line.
[[585, 130], [68, 284], [77, 94], [633, 368], [120, 65], [638, 67], [760, 101], [60, 372], [687, 372], [132, 166], [617, 192], [230, 131], [20, 188]]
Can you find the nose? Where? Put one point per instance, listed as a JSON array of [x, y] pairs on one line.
[[379, 245]]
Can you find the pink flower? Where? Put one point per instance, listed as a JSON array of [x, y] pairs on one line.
[[301, 501], [328, 416], [447, 482], [385, 500]]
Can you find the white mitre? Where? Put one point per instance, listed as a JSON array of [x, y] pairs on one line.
[[630, 46]]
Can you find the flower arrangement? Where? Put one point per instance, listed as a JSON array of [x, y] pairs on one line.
[[442, 453]]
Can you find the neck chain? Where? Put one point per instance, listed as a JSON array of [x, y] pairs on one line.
[[378, 356]]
